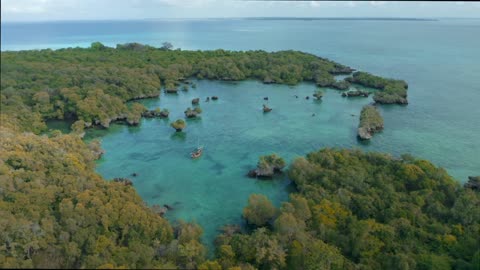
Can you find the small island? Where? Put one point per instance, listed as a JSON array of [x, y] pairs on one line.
[[318, 94], [189, 113], [370, 122], [392, 91], [267, 166], [179, 125]]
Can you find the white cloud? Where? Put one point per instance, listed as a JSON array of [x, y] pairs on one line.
[[314, 3], [377, 3], [39, 10]]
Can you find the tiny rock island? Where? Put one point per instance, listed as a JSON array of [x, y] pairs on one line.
[[370, 122], [267, 166]]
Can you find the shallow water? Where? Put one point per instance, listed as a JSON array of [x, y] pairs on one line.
[[235, 132], [439, 60]]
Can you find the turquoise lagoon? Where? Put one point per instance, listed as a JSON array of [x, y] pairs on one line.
[[439, 59], [213, 189]]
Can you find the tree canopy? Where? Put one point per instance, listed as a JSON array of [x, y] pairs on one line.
[[355, 210]]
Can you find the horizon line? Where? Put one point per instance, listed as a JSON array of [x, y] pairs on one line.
[[251, 18]]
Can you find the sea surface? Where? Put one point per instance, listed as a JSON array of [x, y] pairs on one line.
[[439, 59]]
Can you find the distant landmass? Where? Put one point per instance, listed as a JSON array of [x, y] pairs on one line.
[[340, 19]]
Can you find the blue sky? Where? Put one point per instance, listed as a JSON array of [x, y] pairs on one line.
[[44, 10]]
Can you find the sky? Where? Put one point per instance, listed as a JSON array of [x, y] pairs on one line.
[[48, 10]]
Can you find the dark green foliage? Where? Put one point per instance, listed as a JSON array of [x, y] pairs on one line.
[[393, 91], [93, 84], [473, 183]]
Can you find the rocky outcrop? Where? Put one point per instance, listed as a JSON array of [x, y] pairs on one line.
[[195, 101], [144, 96], [171, 90], [370, 122], [318, 94], [356, 93], [156, 113], [364, 133], [170, 208], [341, 85], [267, 166], [268, 80], [125, 181], [159, 210], [473, 183], [189, 113], [214, 98], [207, 99], [96, 149], [341, 70]]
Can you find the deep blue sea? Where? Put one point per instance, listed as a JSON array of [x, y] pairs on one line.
[[439, 59]]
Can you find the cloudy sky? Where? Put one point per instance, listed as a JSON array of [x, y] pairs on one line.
[[44, 10]]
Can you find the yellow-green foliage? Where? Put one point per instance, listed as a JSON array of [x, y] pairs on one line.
[[56, 212], [259, 210], [179, 124], [273, 161]]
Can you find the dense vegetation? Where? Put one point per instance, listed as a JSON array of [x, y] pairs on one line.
[[56, 212], [392, 91], [352, 210], [370, 122], [357, 210], [93, 84]]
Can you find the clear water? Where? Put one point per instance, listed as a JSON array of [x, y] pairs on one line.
[[439, 59]]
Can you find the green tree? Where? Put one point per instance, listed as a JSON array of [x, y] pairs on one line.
[[179, 125], [259, 210]]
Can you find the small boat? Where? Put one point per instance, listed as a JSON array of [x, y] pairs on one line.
[[266, 109], [197, 153]]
